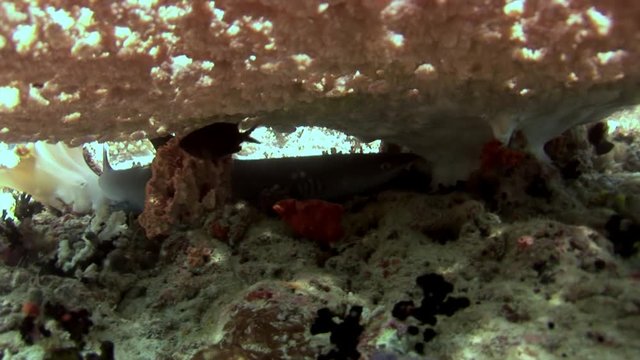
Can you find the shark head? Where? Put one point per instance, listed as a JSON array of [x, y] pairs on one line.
[[125, 188]]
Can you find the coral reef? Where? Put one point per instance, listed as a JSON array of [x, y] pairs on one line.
[[521, 260], [182, 189], [441, 78], [529, 284], [526, 248], [79, 254]]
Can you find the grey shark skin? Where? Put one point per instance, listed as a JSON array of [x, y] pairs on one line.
[[327, 177], [125, 188]]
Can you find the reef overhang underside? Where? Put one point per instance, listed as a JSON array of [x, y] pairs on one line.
[[440, 77]]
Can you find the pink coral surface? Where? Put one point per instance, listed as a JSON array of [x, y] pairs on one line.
[[182, 189]]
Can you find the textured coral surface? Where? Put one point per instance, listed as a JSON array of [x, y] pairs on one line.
[[182, 189], [422, 73], [526, 264], [538, 288]]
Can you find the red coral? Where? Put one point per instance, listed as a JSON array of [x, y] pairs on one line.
[[525, 242], [259, 294], [30, 308], [317, 220], [219, 231], [497, 156]]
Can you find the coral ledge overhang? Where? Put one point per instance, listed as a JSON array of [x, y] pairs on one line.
[[442, 78]]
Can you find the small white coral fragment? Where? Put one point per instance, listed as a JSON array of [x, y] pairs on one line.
[[528, 54], [24, 37], [108, 226], [60, 17], [397, 40], [302, 60], [9, 98], [71, 118], [517, 32], [608, 57], [600, 21], [426, 72], [36, 96], [87, 46]]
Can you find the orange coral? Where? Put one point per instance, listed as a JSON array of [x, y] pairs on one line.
[[182, 189], [31, 309], [317, 220]]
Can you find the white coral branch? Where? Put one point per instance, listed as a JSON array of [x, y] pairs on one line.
[[55, 175]]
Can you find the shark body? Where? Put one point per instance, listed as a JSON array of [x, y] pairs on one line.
[[265, 181], [125, 188]]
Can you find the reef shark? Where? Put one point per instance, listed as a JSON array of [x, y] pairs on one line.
[[326, 177], [125, 188], [265, 181]]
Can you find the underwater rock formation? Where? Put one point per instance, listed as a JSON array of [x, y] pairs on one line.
[[442, 78]]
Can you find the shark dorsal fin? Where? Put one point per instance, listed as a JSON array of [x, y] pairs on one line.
[[106, 167]]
